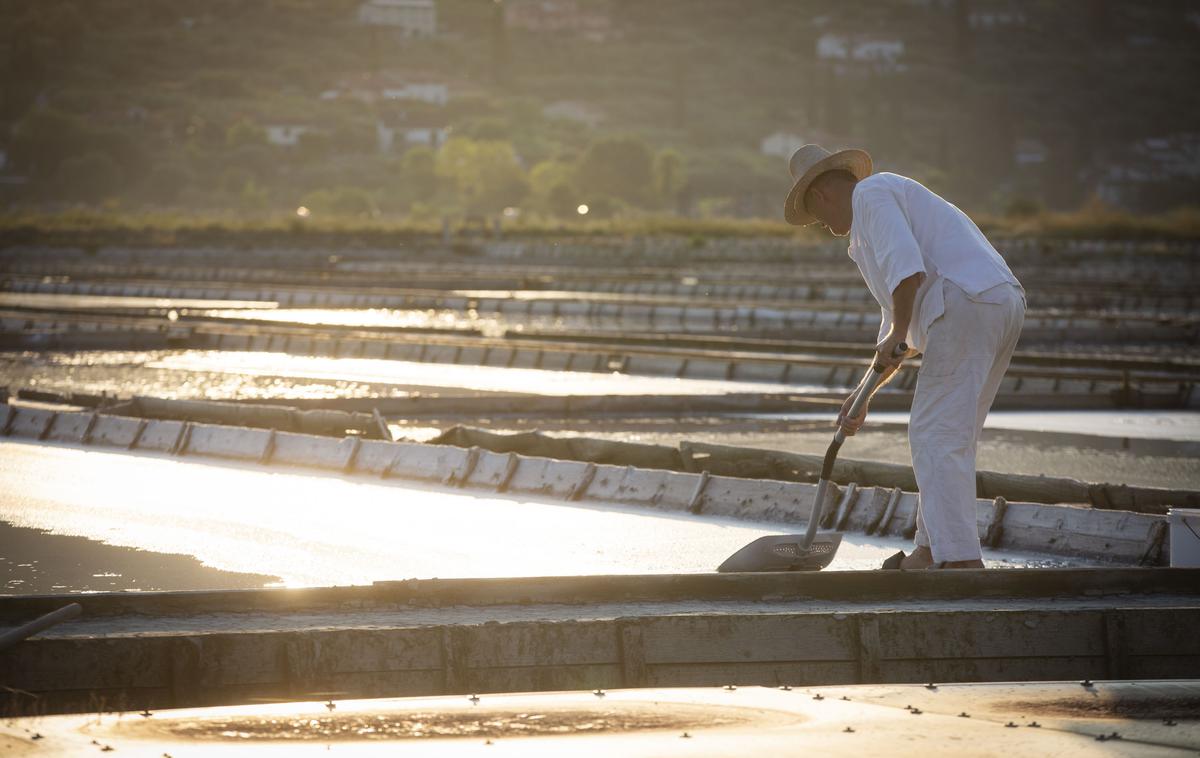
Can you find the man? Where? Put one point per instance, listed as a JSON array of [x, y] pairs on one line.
[[947, 293]]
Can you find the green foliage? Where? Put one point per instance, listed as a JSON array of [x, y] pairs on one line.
[[561, 201], [167, 182], [551, 182], [91, 178], [669, 175], [354, 202], [1022, 207], [43, 138], [244, 132], [485, 175], [254, 199], [616, 167], [417, 174]]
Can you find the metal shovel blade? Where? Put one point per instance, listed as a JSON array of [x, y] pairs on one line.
[[783, 552]]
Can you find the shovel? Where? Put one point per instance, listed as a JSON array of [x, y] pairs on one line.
[[809, 551]]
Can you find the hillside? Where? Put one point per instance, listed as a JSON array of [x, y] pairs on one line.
[[661, 105]]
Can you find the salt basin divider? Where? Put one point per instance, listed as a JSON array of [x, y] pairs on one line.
[[1121, 537]]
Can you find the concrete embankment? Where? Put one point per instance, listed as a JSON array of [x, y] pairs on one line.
[[426, 638]]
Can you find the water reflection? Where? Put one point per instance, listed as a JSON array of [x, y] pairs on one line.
[[314, 529], [487, 378]]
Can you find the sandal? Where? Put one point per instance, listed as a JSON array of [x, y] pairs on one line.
[[893, 563]]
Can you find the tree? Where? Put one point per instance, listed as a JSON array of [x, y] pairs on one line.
[[484, 174], [342, 201], [253, 198], [550, 182], [166, 182], [91, 178], [561, 201], [244, 132], [417, 173], [43, 138], [669, 176], [617, 167]]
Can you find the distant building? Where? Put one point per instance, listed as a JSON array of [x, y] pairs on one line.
[[877, 52], [557, 16], [369, 88], [427, 92], [415, 18], [287, 135], [782, 144], [571, 110], [1029, 152], [996, 18], [393, 137], [1165, 169]]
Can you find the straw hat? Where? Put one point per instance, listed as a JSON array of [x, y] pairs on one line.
[[811, 161]]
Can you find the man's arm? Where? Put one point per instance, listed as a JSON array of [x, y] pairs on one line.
[[903, 298]]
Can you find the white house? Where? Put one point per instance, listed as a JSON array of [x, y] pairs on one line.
[[416, 18], [996, 18], [832, 46], [287, 135], [386, 136], [880, 52], [782, 144], [1028, 152], [427, 92], [571, 110]]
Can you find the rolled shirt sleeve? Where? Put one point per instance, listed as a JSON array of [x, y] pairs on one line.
[[885, 324], [890, 238]]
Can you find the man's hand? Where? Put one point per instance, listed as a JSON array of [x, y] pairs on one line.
[[886, 353], [851, 425]]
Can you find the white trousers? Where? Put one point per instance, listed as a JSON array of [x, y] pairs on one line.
[[967, 352]]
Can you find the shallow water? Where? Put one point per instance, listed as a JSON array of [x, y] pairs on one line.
[[486, 378], [96, 302], [312, 529], [1178, 425]]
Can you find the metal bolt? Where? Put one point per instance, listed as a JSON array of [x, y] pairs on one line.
[[146, 714], [964, 715], [1086, 683], [1169, 722], [474, 699], [1035, 724], [598, 693], [487, 742], [36, 736], [916, 711], [931, 686], [731, 687], [818, 696], [330, 705], [849, 730], [785, 688], [106, 749], [843, 697], [685, 736], [1011, 725]]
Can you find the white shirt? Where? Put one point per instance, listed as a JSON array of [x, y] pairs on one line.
[[900, 228]]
